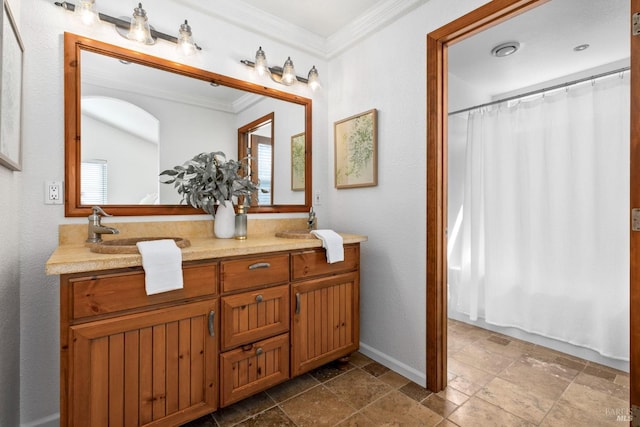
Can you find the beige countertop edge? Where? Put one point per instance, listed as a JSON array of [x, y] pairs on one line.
[[77, 258]]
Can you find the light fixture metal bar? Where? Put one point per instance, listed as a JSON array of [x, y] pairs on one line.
[[121, 23], [274, 70]]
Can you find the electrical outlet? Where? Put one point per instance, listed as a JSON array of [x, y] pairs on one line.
[[317, 200], [53, 193]]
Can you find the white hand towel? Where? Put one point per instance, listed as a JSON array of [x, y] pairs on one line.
[[162, 263], [332, 242]]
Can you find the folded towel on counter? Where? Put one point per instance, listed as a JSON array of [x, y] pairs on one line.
[[332, 243], [162, 263]]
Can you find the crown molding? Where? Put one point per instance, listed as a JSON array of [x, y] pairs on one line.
[[380, 15], [257, 21]]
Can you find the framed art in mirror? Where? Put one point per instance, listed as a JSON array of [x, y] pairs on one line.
[[11, 92], [297, 162]]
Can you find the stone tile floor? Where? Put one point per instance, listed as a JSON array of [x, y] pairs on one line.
[[494, 380]]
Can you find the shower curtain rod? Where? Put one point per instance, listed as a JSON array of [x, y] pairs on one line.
[[547, 89]]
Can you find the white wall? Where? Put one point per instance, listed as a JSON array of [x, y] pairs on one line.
[[139, 165], [386, 71], [10, 202], [216, 131], [463, 95], [10, 296]]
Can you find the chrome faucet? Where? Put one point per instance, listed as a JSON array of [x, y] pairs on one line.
[[312, 223], [96, 229]]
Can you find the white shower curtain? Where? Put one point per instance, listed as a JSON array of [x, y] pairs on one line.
[[544, 240]]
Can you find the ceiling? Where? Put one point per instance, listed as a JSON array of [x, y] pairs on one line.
[[547, 36], [323, 18]]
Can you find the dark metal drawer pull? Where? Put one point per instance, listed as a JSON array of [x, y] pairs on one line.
[[259, 298], [259, 265], [297, 302], [212, 315], [259, 351]]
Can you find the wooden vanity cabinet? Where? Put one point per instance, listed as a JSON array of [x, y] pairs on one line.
[[138, 360], [239, 326], [325, 314]]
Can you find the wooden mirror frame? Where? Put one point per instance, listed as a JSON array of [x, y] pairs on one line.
[[73, 46]]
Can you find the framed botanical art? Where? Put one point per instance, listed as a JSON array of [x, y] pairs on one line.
[[297, 162], [356, 150], [10, 92]]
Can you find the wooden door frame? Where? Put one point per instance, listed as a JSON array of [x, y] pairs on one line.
[[478, 20]]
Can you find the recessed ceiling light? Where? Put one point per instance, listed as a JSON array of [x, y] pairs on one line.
[[581, 47], [505, 49]]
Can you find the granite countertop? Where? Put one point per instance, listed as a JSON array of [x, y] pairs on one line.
[[72, 256]]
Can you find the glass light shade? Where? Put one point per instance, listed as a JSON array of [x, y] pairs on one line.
[[186, 45], [261, 66], [313, 79], [288, 73], [86, 12], [139, 30]]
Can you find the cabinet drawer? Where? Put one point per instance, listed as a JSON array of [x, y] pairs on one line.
[[251, 316], [248, 273], [109, 293], [314, 263], [252, 368]]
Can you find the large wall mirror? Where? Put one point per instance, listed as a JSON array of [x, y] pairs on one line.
[[129, 116]]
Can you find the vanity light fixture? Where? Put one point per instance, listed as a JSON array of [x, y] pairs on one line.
[[186, 45], [137, 28], [86, 12], [286, 74], [313, 79], [261, 66]]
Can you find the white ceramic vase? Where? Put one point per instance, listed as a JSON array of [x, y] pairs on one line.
[[224, 225]]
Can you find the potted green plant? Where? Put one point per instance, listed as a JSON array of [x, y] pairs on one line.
[[209, 180]]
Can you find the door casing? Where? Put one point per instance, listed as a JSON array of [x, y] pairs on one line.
[[478, 20]]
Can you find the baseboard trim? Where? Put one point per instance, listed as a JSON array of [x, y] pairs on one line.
[[50, 421], [394, 364]]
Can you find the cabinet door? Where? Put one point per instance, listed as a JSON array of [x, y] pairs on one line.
[[153, 368], [325, 321]]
